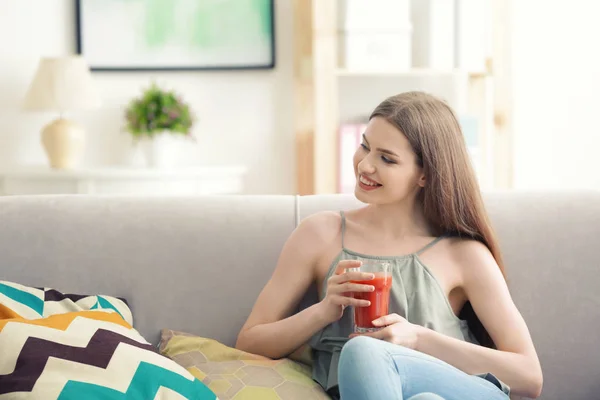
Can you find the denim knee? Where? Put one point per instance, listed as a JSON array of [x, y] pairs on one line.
[[360, 343], [360, 355], [426, 396], [366, 369], [362, 349], [365, 346]]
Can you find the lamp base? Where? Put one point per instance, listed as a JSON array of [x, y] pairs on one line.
[[64, 143]]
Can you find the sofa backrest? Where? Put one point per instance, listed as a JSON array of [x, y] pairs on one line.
[[197, 264], [191, 264]]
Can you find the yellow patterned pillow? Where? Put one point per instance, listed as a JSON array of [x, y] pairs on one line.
[[232, 373]]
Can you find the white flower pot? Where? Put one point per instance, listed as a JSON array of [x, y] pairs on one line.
[[162, 150]]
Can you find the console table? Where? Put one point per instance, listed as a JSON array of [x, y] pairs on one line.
[[203, 180]]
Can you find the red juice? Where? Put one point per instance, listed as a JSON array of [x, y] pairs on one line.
[[379, 298]]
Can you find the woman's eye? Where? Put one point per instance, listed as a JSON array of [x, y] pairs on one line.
[[387, 160], [383, 158]]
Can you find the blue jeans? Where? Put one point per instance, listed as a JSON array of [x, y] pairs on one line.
[[374, 369]]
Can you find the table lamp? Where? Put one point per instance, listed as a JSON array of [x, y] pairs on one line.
[[62, 84]]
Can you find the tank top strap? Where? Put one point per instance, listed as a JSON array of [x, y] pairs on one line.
[[430, 244], [343, 227]]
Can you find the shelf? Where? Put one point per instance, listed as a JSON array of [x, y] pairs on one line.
[[412, 73], [201, 180], [124, 173], [340, 90]]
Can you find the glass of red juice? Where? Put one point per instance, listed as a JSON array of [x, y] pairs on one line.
[[379, 298]]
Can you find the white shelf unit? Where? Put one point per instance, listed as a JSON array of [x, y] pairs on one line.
[[343, 95], [206, 180], [411, 73]]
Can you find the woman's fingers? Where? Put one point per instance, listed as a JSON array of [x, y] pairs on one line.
[[350, 301], [351, 276], [343, 265], [355, 287]]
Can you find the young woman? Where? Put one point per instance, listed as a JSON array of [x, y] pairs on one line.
[[453, 331]]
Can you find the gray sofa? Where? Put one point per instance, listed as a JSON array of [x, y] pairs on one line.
[[197, 264]]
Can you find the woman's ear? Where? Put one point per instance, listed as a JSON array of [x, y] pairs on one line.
[[421, 181]]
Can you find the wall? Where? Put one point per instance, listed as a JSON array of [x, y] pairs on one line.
[[556, 93], [244, 117]]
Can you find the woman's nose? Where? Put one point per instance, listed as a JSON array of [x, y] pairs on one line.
[[366, 166]]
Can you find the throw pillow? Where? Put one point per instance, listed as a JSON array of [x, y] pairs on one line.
[[89, 354], [18, 300], [235, 374]]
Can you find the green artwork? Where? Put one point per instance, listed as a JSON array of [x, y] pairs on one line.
[[176, 34]]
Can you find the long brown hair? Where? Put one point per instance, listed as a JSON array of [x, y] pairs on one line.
[[452, 202]]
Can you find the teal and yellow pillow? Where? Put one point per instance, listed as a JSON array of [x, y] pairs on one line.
[[82, 348]]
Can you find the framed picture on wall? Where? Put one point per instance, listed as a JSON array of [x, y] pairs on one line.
[[159, 35]]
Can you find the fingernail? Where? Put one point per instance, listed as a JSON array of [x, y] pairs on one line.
[[372, 288]]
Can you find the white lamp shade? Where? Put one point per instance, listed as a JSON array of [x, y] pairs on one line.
[[62, 84]]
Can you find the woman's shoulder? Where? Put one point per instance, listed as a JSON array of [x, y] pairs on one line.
[[466, 247], [320, 226], [472, 256]]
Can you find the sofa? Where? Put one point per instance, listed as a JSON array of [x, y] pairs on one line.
[[197, 264]]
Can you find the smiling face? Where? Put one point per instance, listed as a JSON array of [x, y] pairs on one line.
[[386, 166]]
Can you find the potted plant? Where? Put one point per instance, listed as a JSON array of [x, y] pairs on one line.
[[158, 120]]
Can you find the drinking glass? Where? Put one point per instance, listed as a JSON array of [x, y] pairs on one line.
[[379, 298]]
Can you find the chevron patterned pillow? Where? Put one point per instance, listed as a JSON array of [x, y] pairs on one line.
[[87, 354], [18, 300]]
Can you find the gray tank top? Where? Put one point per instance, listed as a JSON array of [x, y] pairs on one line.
[[416, 295]]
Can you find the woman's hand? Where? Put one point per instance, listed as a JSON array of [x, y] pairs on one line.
[[339, 290], [395, 330]]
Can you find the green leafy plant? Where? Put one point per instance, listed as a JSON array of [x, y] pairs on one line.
[[158, 111]]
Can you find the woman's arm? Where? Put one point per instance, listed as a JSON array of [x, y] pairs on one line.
[[271, 329], [515, 362]]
